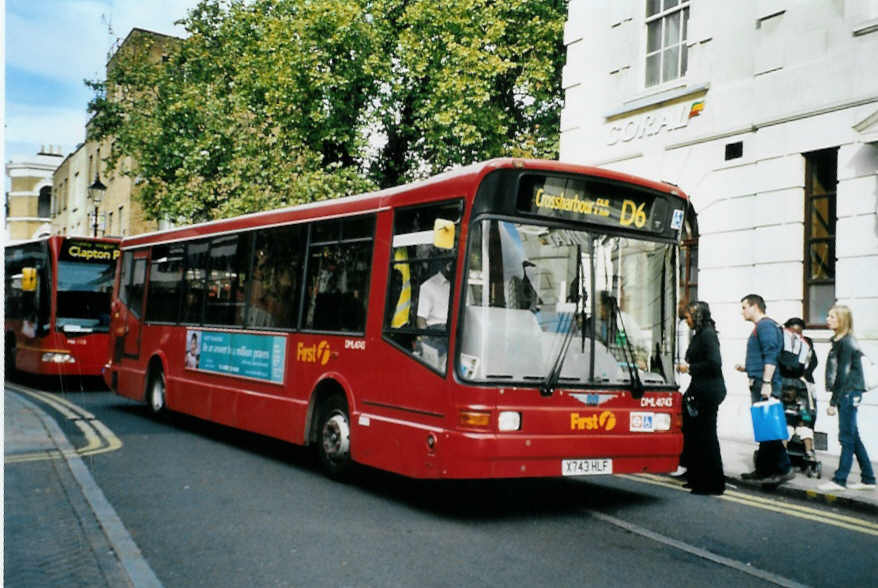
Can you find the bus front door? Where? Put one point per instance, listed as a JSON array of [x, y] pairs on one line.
[[133, 313]]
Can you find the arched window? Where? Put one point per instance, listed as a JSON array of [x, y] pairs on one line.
[[44, 204]]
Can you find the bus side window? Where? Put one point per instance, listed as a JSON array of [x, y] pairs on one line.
[[138, 279], [194, 286], [165, 283], [275, 281], [229, 261], [339, 264], [421, 283], [125, 277]]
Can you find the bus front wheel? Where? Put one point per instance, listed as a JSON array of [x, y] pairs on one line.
[[156, 393], [334, 443]]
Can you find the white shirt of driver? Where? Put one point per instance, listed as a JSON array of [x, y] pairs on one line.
[[433, 300]]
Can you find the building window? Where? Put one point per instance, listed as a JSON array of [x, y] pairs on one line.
[[667, 27], [821, 179], [44, 204]]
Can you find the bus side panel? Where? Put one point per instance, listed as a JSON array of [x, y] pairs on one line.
[[130, 381], [393, 433], [188, 391], [248, 404]]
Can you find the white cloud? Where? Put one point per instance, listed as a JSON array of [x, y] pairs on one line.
[[70, 40], [48, 125]]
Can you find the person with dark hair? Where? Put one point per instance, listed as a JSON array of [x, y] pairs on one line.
[[683, 337], [798, 325], [706, 392], [192, 352], [802, 391], [773, 465]]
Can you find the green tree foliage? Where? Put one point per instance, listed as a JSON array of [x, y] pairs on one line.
[[470, 80], [273, 102]]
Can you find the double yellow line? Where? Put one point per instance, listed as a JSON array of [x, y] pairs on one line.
[[793, 510], [99, 438]]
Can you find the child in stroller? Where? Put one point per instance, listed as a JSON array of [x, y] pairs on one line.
[[800, 408]]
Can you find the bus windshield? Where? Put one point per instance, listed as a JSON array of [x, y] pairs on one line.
[[528, 285], [84, 295]]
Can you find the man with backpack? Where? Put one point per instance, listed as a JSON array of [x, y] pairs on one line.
[[764, 347]]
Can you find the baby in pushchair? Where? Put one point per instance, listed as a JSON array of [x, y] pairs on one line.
[[800, 407]]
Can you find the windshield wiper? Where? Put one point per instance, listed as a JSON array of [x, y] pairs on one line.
[[554, 374], [628, 354]]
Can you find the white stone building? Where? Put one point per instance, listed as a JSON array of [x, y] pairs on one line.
[[765, 112]]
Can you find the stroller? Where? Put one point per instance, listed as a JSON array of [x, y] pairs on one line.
[[800, 409]]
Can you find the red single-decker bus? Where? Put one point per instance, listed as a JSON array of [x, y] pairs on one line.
[[58, 305], [513, 318]]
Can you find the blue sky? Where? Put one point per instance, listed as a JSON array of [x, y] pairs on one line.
[[51, 46]]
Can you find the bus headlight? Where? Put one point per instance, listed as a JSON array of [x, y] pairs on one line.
[[509, 420], [662, 421], [57, 357]]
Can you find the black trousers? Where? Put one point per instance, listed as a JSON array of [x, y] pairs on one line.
[[703, 458], [771, 457]]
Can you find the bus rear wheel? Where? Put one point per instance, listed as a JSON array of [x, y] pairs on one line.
[[334, 441], [155, 395]]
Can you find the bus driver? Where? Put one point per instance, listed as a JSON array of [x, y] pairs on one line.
[[433, 314], [433, 299]]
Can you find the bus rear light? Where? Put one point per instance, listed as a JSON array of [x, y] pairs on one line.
[[57, 357], [677, 421], [509, 420], [475, 418]]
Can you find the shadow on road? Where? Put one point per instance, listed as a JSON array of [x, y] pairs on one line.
[[468, 499], [464, 499]]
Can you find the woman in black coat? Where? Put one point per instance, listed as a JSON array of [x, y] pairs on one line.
[[706, 391]]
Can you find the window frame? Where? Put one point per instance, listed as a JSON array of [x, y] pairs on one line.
[[812, 160], [241, 238], [684, 8], [386, 329], [303, 230], [181, 283], [340, 240]]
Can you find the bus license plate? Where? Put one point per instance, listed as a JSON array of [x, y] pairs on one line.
[[586, 467]]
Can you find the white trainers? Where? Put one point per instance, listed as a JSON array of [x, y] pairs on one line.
[[831, 487], [860, 486]]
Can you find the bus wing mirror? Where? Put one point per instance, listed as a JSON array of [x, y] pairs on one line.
[[443, 234], [29, 279]]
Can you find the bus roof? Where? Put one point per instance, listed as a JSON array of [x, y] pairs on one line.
[[456, 182]]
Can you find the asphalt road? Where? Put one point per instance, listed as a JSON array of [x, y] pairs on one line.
[[212, 506]]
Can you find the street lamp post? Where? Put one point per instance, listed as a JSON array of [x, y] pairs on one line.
[[96, 192]]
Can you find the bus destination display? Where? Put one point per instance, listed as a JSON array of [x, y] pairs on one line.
[[594, 202], [88, 251]]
